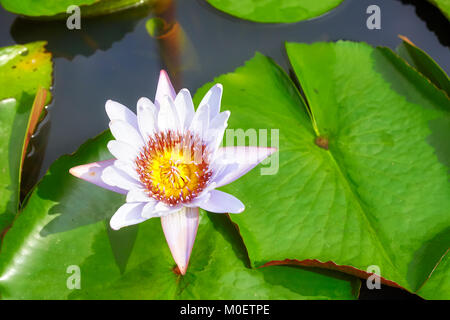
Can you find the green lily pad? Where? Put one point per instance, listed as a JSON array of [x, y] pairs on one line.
[[363, 181], [275, 11], [443, 5], [57, 8], [436, 288], [23, 69], [423, 63], [64, 227]]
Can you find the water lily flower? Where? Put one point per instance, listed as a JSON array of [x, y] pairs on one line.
[[169, 162]]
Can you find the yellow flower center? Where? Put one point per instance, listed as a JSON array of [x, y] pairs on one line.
[[173, 167]]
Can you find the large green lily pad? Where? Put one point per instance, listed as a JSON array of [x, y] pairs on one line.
[[275, 11], [57, 8], [64, 227], [363, 181], [436, 287], [23, 69]]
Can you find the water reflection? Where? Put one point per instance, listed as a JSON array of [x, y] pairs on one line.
[[176, 50], [434, 19], [95, 34]]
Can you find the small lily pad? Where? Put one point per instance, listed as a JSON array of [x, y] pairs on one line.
[[275, 11], [23, 70], [57, 9]]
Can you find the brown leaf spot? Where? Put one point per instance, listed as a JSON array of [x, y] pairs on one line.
[[322, 142]]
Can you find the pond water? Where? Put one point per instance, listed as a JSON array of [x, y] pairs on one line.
[[114, 57]]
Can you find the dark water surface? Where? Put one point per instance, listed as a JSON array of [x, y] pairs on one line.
[[114, 57]]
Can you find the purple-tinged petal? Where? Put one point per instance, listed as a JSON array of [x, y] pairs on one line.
[[231, 163], [117, 111], [221, 202], [127, 215], [180, 229], [164, 88], [213, 97], [92, 173]]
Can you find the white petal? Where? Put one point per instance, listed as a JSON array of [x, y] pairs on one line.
[[117, 111], [163, 209], [92, 173], [233, 162], [221, 202], [149, 210], [139, 195], [199, 200], [217, 129], [167, 116], [124, 132], [147, 115], [122, 151], [202, 197], [117, 178], [128, 167], [213, 97], [127, 215], [185, 108], [164, 88], [180, 229], [200, 122]]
